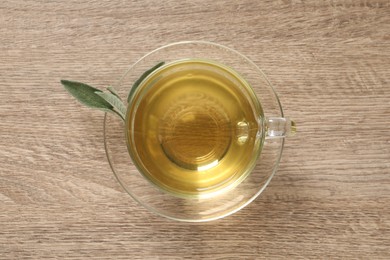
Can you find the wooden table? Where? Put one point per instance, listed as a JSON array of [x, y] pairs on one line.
[[328, 60]]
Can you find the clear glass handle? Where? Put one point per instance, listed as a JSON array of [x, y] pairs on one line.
[[279, 127]]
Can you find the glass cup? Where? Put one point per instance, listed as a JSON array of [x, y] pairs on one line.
[[273, 127]]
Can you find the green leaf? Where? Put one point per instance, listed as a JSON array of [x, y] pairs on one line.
[[143, 76], [113, 91], [115, 102], [87, 96]]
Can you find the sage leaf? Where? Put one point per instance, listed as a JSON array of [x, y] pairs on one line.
[[86, 95], [143, 76], [115, 102], [113, 91]]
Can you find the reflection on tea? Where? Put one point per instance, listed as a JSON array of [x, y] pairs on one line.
[[194, 128]]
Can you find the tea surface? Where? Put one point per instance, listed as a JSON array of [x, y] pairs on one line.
[[195, 128]]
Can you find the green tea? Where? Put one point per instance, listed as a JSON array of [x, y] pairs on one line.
[[194, 128]]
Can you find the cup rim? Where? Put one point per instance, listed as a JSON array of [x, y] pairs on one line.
[[253, 98]]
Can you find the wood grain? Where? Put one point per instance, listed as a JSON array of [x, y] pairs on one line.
[[328, 60]]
